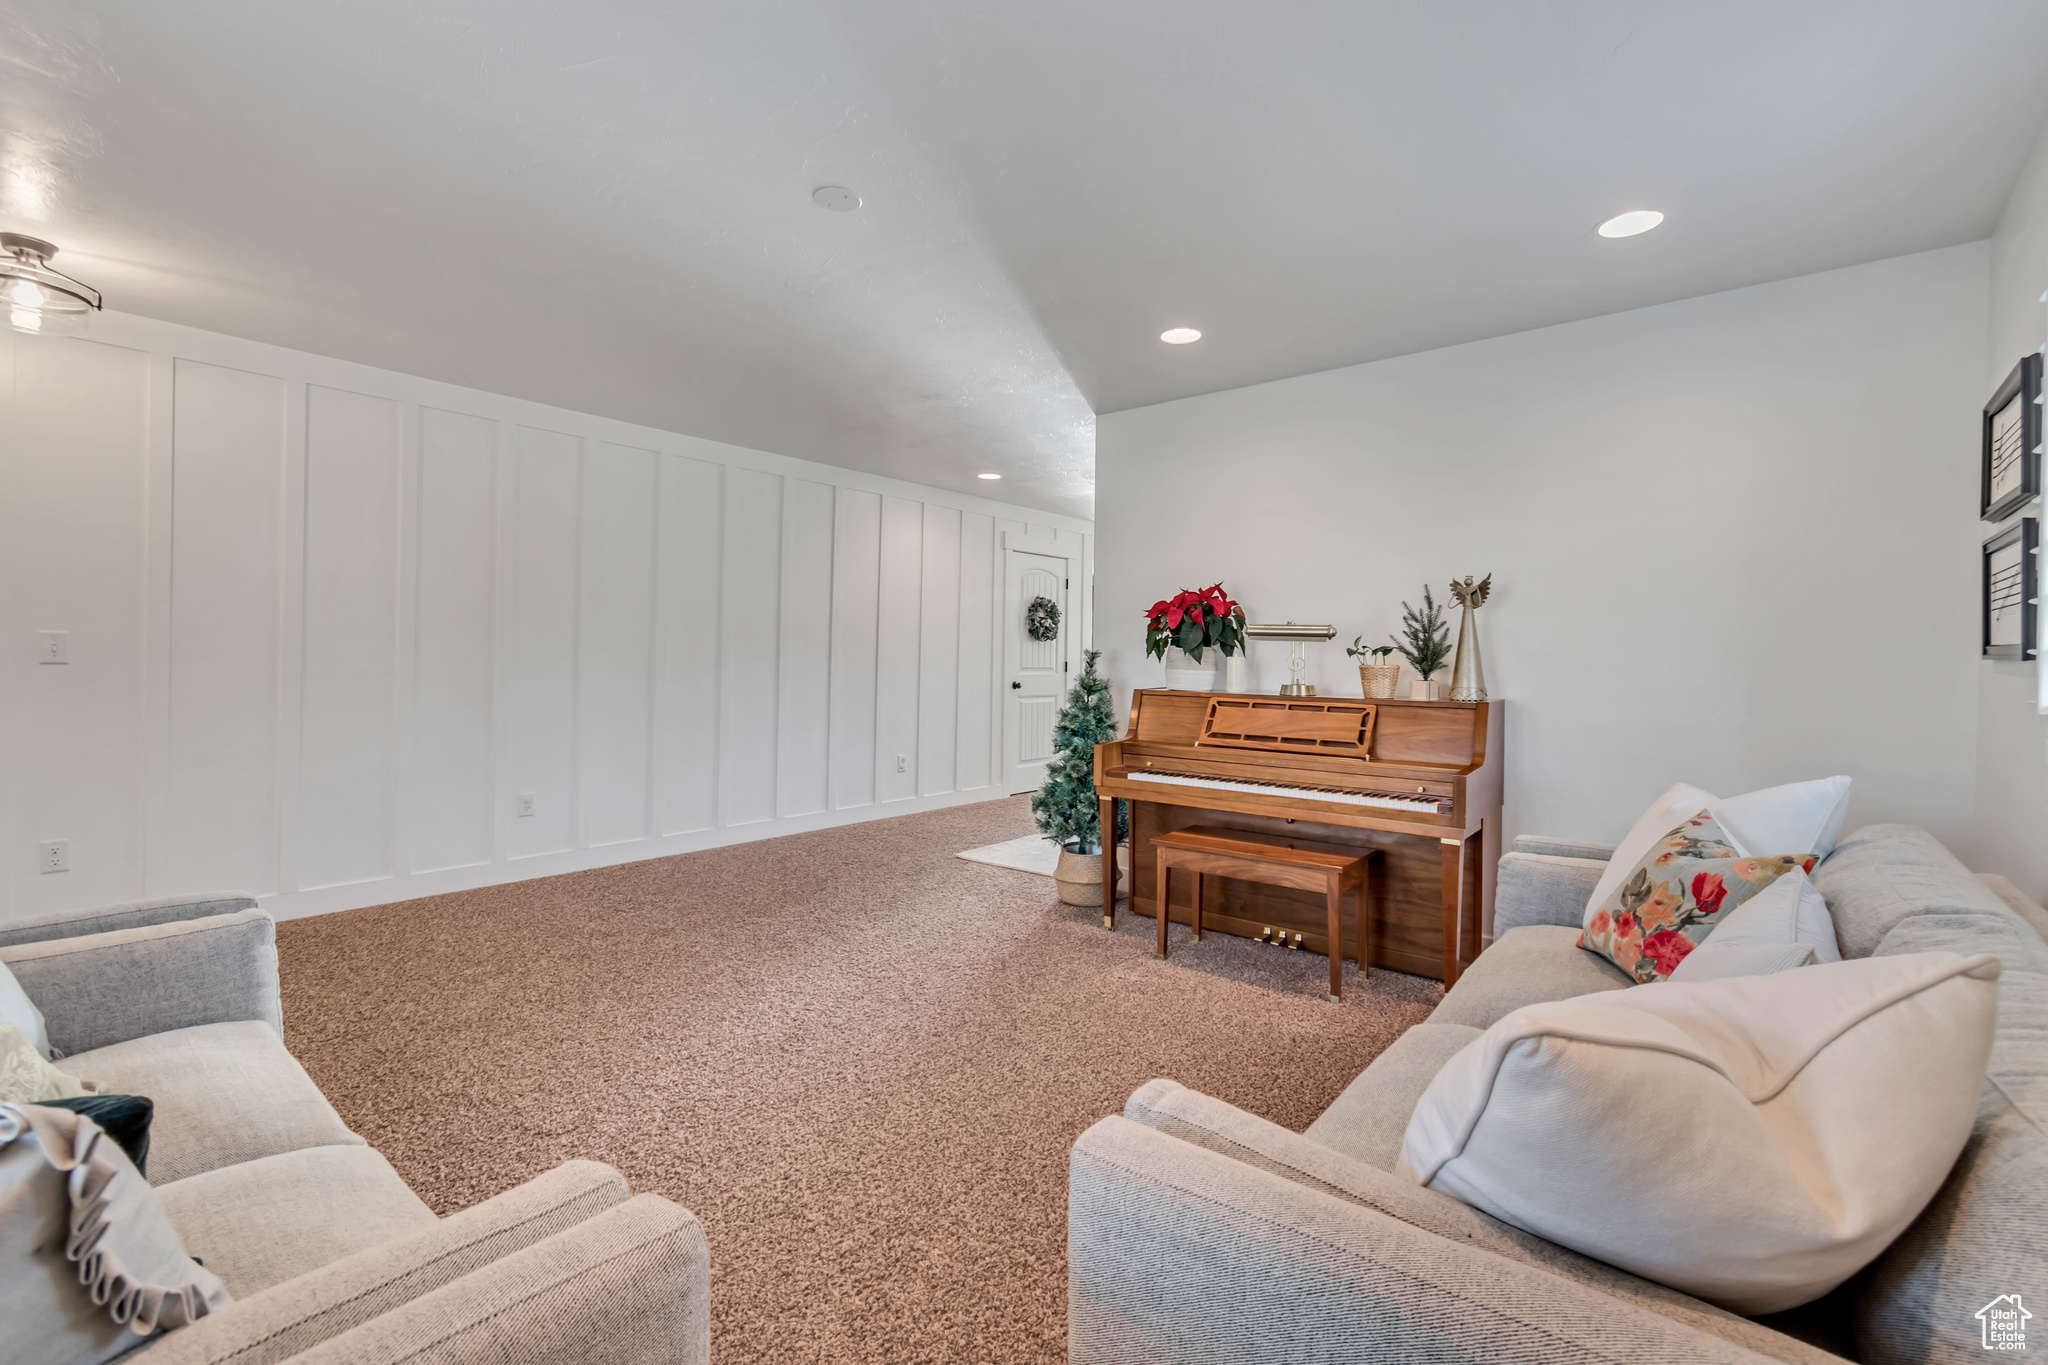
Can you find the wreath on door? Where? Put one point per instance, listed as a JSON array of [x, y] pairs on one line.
[[1042, 619]]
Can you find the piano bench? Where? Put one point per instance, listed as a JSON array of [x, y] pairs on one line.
[[1273, 860]]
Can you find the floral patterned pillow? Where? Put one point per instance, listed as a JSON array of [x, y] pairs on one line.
[[1675, 897]]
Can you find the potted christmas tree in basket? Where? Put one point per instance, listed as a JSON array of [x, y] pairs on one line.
[[1065, 807]]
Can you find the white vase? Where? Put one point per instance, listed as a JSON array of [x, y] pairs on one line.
[[1183, 674]]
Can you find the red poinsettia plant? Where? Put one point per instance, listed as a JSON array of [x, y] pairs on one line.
[[1195, 621]]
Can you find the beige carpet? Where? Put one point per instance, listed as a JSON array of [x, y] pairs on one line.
[[860, 1059]]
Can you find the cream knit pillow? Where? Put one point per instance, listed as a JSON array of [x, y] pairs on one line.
[[1753, 1141], [25, 1077]]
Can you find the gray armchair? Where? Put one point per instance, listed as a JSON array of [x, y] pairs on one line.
[[329, 1255]]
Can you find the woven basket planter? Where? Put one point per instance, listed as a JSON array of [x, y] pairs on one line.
[[1379, 680], [1079, 876]]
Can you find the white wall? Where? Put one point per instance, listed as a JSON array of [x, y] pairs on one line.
[[2012, 737], [1732, 537], [327, 622]]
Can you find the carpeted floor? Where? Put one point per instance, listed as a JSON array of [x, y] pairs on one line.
[[859, 1059]]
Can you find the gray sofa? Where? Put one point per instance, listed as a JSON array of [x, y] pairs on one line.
[[329, 1256], [1200, 1233]]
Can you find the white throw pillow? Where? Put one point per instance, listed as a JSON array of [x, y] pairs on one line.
[[1783, 926], [1799, 817], [93, 1265], [1665, 814], [1753, 1142], [1741, 959], [17, 1009]]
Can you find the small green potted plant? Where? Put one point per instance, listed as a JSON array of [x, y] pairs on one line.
[[1376, 677], [1425, 642]]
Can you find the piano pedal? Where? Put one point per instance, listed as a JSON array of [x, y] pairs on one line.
[[1296, 943]]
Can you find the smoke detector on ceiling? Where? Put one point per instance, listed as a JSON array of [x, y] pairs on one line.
[[837, 198]]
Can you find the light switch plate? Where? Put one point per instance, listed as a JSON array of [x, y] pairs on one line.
[[55, 647]]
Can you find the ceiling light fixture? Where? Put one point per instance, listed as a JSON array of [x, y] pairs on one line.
[[1631, 224], [1179, 336], [988, 476], [837, 198], [39, 300]]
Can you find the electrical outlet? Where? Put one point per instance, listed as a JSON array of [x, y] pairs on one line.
[[902, 763], [525, 804], [55, 647], [53, 855]]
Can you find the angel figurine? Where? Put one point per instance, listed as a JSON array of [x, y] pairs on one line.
[[1468, 679]]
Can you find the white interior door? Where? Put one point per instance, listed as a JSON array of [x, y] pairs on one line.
[[1036, 671]]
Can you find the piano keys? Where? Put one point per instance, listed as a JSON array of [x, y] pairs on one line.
[[1418, 781]]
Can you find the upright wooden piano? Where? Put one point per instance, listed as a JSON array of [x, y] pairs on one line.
[[1418, 780]]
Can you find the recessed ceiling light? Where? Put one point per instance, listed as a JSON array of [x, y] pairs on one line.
[[1179, 336], [1632, 223], [837, 198], [988, 476]]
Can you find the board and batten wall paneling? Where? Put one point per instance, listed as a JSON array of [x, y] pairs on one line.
[[692, 556], [976, 729], [448, 819], [896, 650], [329, 624], [74, 454], [803, 741], [537, 737], [856, 604], [354, 469], [938, 656], [617, 769], [227, 529], [750, 632]]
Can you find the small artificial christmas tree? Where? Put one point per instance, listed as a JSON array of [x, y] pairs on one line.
[[1428, 641], [1065, 807]]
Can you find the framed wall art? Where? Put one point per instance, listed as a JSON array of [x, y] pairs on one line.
[[2012, 442], [2011, 585]]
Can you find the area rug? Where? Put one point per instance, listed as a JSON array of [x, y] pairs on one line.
[[859, 1059], [1031, 853]]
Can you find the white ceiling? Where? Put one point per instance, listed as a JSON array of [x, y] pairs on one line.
[[605, 205]]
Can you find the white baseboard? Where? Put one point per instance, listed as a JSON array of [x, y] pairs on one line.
[[326, 900]]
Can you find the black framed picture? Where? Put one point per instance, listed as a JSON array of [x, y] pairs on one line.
[[2012, 442], [2012, 582]]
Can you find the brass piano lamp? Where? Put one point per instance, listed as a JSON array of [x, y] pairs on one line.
[[1297, 662]]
